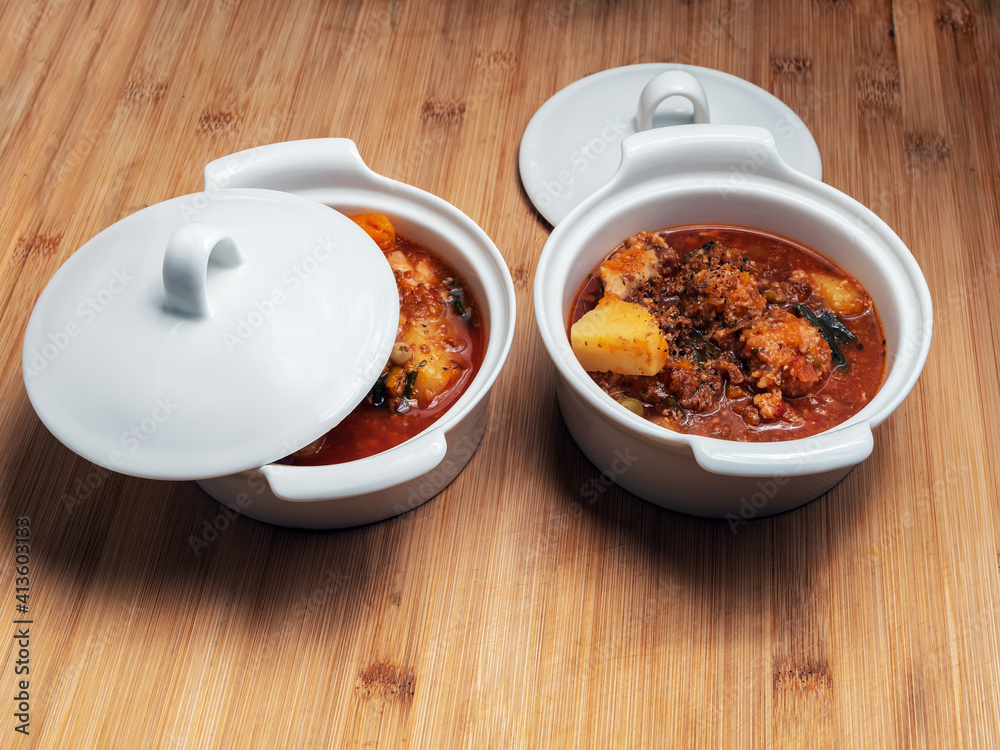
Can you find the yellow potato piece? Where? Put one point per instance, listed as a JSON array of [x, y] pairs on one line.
[[436, 366], [620, 337], [842, 296], [435, 377]]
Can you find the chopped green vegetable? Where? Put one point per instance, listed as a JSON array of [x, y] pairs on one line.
[[702, 350], [841, 332], [456, 300], [379, 391], [673, 403], [411, 379], [804, 312]]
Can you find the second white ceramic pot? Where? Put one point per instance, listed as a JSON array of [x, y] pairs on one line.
[[719, 174]]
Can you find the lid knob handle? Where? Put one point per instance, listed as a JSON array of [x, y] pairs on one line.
[[190, 250], [668, 84]]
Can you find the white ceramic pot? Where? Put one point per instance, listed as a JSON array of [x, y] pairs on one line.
[[721, 174], [209, 335], [331, 171]]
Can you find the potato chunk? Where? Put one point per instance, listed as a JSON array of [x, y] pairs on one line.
[[620, 337], [632, 264], [841, 295], [434, 360], [401, 266]]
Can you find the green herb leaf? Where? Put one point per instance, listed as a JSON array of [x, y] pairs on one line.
[[840, 332], [804, 312], [411, 380], [379, 391], [672, 403], [457, 300]]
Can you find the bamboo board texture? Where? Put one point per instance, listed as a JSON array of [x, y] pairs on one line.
[[507, 612]]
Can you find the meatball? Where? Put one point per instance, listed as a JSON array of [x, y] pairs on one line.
[[785, 353]]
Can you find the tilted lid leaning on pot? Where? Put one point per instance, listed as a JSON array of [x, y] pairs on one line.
[[210, 333]]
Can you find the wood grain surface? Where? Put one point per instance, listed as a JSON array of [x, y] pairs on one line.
[[509, 612]]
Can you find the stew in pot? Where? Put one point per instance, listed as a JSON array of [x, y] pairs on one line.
[[729, 332]]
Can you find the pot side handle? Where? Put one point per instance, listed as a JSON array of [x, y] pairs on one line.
[[394, 468], [293, 166], [729, 151], [829, 451]]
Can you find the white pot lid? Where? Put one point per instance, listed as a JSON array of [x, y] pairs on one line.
[[572, 145], [210, 333]]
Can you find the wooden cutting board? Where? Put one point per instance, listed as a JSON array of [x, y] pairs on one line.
[[508, 611]]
